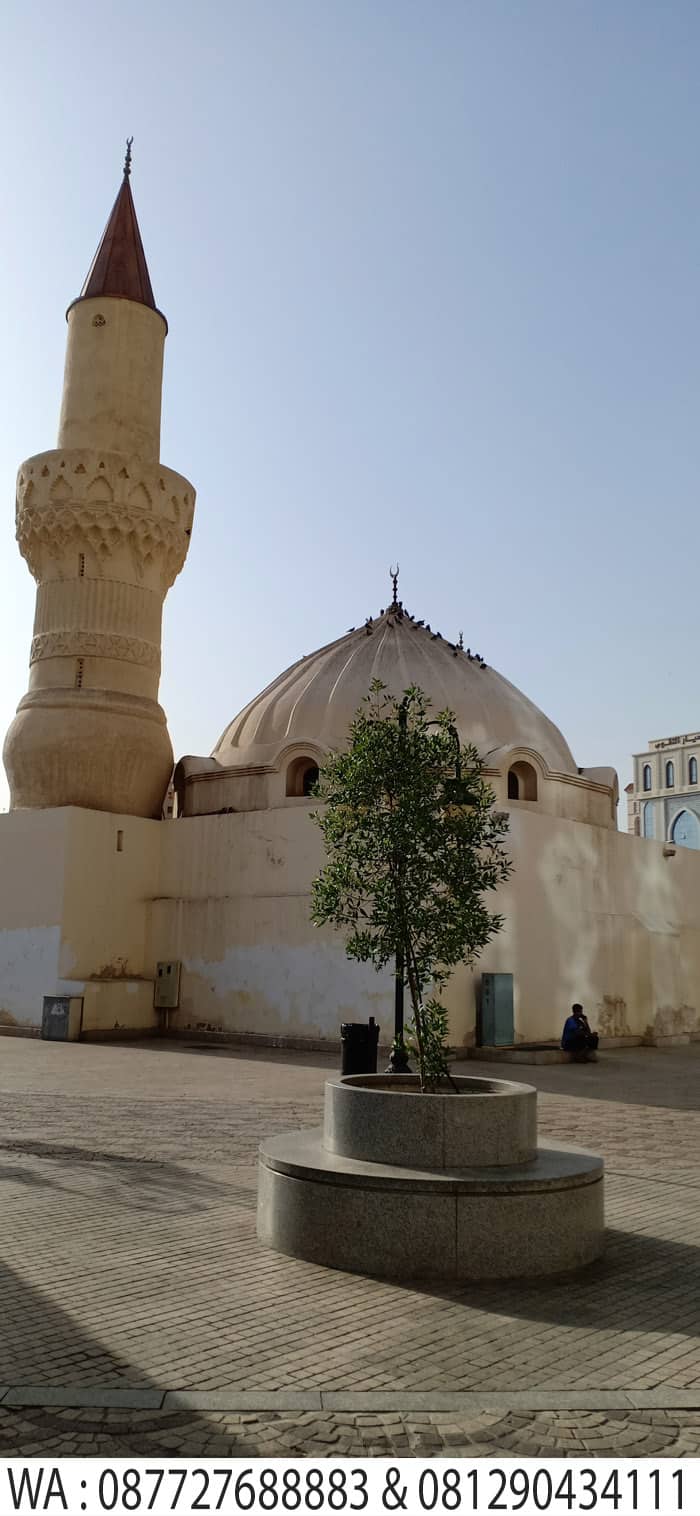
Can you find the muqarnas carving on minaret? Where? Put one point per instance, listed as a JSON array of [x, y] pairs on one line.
[[105, 530]]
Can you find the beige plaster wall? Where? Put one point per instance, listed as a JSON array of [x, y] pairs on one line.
[[75, 887], [575, 799], [596, 916], [119, 1009], [591, 914], [32, 847], [233, 907], [111, 874], [216, 789]]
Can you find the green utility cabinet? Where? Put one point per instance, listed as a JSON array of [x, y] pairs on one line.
[[497, 1021]]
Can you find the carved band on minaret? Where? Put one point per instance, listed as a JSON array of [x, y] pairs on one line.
[[66, 496], [82, 644]]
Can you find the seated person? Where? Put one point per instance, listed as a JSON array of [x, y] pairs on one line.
[[577, 1036]]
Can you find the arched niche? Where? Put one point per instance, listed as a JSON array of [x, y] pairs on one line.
[[302, 775], [522, 781]]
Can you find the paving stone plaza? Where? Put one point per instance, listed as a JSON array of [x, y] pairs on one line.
[[140, 1314]]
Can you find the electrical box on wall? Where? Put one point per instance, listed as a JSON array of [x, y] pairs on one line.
[[497, 1022], [167, 986]]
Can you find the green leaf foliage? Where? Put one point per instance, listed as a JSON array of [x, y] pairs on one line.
[[412, 846]]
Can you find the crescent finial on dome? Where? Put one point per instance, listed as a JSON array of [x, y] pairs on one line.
[[394, 576]]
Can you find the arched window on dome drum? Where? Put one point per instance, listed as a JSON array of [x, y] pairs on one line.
[[522, 782], [693, 771], [302, 775], [670, 776], [646, 777]]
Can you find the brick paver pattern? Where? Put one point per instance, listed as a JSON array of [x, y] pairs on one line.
[[539, 1434], [129, 1255]]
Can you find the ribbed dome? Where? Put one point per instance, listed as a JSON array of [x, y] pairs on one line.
[[314, 701]]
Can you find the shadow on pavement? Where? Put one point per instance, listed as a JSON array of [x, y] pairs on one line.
[[666, 1078], [41, 1344], [641, 1284], [136, 1183], [239, 1052]]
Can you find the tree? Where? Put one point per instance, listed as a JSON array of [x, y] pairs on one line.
[[412, 845]]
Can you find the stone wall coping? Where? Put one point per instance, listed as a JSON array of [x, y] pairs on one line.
[[470, 1085]]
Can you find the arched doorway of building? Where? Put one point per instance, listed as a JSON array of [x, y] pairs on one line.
[[685, 831]]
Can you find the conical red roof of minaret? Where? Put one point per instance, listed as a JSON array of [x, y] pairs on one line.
[[119, 266]]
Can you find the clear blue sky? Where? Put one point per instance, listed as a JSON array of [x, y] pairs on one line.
[[431, 269]]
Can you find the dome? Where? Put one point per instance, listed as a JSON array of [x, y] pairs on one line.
[[313, 702]]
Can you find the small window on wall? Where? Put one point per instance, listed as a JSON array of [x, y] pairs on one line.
[[693, 771], [670, 776], [302, 775], [648, 819], [646, 777], [522, 782]]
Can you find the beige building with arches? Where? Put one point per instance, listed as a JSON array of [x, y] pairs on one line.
[[198, 922]]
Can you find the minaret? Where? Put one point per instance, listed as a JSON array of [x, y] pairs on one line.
[[104, 529]]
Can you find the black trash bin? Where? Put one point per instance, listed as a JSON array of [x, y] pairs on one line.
[[358, 1046]]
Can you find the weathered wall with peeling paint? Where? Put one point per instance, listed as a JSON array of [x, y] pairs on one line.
[[233, 907], [604, 918], [590, 914], [31, 907]]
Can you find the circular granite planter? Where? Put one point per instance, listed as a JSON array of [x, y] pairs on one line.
[[385, 1119], [410, 1186]]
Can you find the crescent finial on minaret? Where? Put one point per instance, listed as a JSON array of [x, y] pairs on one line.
[[127, 160]]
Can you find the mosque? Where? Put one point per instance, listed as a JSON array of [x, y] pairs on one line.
[[197, 923]]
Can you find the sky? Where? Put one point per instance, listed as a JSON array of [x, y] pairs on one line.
[[431, 274]]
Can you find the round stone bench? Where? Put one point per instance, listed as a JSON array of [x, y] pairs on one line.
[[416, 1208], [542, 1217]]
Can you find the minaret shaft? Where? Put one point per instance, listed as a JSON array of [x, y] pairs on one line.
[[113, 377], [104, 528]]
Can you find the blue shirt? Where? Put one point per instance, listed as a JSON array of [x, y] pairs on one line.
[[573, 1031]]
